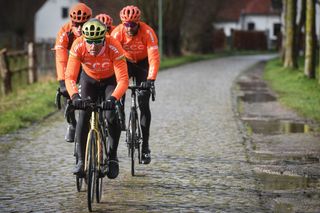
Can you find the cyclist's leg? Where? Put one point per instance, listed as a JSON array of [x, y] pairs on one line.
[[114, 131], [144, 105], [82, 128]]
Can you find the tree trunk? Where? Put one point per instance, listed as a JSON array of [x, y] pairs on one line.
[[290, 58], [299, 34], [283, 30], [310, 62]]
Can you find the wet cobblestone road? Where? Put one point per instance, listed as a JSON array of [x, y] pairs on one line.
[[199, 162]]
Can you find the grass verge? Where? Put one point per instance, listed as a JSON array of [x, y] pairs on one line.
[[27, 105], [295, 90]]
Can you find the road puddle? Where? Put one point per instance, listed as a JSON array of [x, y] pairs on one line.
[[257, 97], [252, 86], [272, 127], [289, 158], [272, 182]]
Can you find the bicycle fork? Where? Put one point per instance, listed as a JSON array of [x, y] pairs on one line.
[[94, 130]]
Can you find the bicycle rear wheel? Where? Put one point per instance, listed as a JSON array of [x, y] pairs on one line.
[[91, 169]]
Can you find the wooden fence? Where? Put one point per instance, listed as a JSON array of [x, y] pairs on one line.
[[25, 65]]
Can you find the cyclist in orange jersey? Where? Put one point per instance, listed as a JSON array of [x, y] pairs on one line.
[[107, 20], [79, 14], [104, 69], [141, 45]]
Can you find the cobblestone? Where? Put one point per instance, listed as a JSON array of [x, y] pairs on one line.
[[199, 162]]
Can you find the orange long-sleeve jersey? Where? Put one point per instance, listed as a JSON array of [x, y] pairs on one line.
[[63, 44], [144, 44], [110, 61]]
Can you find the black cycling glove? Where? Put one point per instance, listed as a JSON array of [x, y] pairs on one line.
[[109, 104], [77, 101], [63, 89], [147, 84]]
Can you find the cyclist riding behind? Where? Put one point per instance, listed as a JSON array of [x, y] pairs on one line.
[[107, 20], [79, 14], [141, 50], [104, 68]]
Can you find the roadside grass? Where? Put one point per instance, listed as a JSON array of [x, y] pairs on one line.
[[27, 105], [295, 90], [31, 103]]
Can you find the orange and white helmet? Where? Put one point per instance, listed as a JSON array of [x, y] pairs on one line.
[[80, 13], [130, 14], [104, 18]]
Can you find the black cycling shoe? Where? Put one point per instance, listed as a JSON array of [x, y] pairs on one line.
[[146, 157], [78, 169], [113, 168], [70, 134]]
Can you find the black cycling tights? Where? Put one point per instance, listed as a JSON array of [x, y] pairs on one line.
[[91, 87]]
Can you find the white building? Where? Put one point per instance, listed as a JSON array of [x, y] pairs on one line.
[[249, 15], [50, 17], [255, 15]]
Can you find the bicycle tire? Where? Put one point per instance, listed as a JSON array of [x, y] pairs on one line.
[[128, 136], [91, 168], [99, 180], [133, 140]]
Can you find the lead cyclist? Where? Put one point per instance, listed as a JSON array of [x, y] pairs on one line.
[[104, 68]]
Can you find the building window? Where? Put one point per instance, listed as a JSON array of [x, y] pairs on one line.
[[276, 29], [251, 26], [65, 12]]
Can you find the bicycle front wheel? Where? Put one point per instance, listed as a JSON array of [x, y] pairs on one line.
[[100, 168], [91, 168], [132, 134]]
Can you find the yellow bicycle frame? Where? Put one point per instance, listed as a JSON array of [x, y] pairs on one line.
[[94, 128]]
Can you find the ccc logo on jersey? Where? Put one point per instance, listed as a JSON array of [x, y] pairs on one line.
[[98, 66], [134, 47]]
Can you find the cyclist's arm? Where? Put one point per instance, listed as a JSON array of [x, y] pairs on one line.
[[120, 69], [61, 57], [73, 68], [153, 54], [121, 72]]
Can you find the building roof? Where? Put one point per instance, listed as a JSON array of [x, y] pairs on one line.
[[231, 10], [263, 7]]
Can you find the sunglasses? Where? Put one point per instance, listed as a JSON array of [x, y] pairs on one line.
[[130, 24], [99, 41]]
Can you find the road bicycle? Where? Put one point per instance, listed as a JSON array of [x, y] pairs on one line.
[[96, 150], [133, 132]]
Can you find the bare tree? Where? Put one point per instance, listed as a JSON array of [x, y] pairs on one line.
[[290, 59], [283, 30], [173, 12], [197, 25], [300, 26], [310, 58]]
